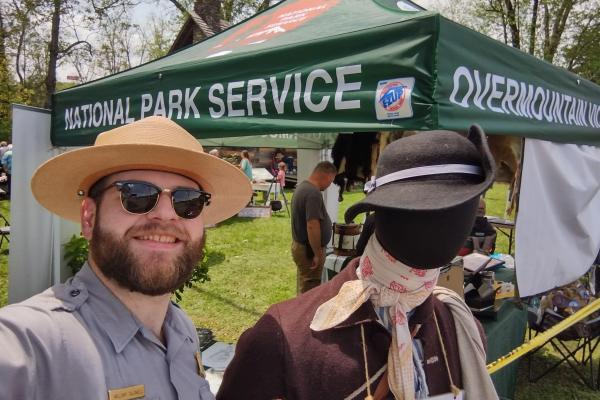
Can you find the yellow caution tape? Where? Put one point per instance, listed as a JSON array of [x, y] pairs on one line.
[[540, 339]]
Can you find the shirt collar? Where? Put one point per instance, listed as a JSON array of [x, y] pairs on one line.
[[117, 321], [174, 330]]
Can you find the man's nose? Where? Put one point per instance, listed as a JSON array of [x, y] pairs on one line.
[[164, 208]]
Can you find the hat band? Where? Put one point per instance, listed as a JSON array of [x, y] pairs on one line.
[[422, 171]]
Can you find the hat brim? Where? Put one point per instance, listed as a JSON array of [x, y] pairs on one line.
[[56, 184], [425, 195]]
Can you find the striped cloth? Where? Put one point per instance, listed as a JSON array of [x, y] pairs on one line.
[[387, 283], [477, 382]]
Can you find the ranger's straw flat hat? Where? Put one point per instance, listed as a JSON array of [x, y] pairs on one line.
[[154, 143]]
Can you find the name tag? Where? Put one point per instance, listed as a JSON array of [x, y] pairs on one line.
[[127, 393], [448, 396]]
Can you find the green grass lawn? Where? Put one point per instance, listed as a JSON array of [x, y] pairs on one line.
[[251, 268], [4, 210]]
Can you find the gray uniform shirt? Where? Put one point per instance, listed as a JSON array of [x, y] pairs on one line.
[[77, 341], [307, 204]]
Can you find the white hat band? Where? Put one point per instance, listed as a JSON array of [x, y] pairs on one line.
[[422, 171]]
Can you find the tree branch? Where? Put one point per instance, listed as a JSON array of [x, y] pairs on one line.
[[109, 5], [66, 51]]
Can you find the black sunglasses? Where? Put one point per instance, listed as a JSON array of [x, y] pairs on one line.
[[138, 197]]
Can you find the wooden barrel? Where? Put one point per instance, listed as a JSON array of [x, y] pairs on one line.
[[344, 239]]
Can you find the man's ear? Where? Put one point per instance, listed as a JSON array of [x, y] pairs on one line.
[[88, 217]]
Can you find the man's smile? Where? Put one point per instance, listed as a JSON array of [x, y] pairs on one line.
[[158, 241], [158, 238]]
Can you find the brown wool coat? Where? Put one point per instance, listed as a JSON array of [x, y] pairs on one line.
[[281, 358]]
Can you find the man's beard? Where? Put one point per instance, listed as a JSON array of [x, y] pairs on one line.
[[151, 277]]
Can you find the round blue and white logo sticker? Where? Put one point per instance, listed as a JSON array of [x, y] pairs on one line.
[[393, 98]]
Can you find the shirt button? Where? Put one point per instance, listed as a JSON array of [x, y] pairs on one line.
[[75, 292]]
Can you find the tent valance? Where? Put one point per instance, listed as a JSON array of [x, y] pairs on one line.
[[276, 140]]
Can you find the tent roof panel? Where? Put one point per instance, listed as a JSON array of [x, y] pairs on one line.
[[344, 65]]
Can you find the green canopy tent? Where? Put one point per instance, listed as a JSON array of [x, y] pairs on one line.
[[342, 65]]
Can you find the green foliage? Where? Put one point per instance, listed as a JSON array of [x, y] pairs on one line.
[[199, 275], [10, 93], [76, 253], [64, 85], [159, 36], [583, 54], [237, 10]]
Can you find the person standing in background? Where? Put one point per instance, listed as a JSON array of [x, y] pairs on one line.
[[3, 148], [280, 178], [281, 174], [277, 158], [7, 165], [311, 226], [246, 164]]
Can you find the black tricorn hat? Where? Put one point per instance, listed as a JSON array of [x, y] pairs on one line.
[[433, 170]]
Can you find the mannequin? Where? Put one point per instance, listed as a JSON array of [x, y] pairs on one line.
[[381, 329]]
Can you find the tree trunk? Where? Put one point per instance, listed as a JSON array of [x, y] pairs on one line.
[[210, 11], [3, 60], [532, 28], [198, 20], [504, 31], [53, 54], [20, 69], [264, 5], [512, 24], [546, 26], [558, 27]]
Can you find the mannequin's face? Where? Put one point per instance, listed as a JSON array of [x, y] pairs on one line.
[[425, 240]]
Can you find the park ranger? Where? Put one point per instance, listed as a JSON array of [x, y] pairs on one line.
[[142, 194]]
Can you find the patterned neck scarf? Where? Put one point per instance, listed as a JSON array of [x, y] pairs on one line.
[[387, 283]]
